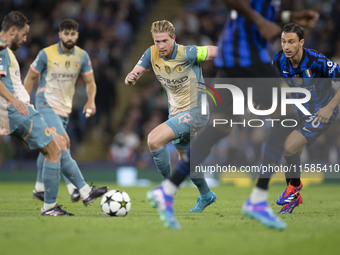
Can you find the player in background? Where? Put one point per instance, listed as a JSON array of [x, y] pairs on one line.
[[58, 67], [305, 68], [178, 69], [242, 52]]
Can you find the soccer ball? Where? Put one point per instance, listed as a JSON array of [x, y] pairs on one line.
[[115, 203]]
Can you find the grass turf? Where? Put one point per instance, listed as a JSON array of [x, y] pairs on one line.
[[314, 227]]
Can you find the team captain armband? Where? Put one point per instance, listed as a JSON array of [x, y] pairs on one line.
[[202, 53]]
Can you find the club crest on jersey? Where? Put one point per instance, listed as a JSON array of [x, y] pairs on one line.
[[76, 65], [298, 80], [67, 64], [168, 69], [179, 68], [47, 131], [308, 72]]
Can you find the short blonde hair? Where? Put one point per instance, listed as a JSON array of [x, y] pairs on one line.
[[163, 26]]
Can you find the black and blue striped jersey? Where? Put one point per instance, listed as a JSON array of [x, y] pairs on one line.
[[315, 72], [240, 44]]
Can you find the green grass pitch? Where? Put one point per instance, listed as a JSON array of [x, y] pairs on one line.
[[313, 228]]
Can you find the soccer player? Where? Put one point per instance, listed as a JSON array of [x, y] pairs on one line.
[[242, 53], [58, 67], [178, 69], [305, 68], [19, 118]]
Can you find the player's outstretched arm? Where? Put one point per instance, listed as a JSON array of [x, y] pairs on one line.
[[17, 104], [212, 52], [91, 91], [29, 80], [134, 75]]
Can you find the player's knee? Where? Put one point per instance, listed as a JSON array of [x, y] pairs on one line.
[[289, 150], [52, 151], [153, 142]]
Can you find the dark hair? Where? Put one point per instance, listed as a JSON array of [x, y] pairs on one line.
[[14, 18], [294, 28], [68, 24]]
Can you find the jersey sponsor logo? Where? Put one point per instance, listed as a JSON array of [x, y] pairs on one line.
[[64, 75], [168, 69], [159, 68], [330, 63], [67, 64], [179, 68], [56, 64], [285, 71], [333, 68], [171, 82]]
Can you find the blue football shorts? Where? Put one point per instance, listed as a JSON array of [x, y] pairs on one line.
[[185, 124], [311, 128], [53, 120], [31, 129]]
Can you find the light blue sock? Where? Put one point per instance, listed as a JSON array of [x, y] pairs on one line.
[[70, 170], [40, 163], [161, 157], [202, 185], [51, 177]]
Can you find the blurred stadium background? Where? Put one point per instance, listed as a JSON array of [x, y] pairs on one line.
[[115, 33]]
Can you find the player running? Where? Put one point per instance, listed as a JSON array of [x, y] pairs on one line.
[[242, 52], [178, 69], [305, 68], [58, 67]]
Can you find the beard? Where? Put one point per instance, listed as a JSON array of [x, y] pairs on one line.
[[15, 44], [68, 45]]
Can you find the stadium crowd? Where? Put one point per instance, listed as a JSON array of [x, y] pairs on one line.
[[107, 28]]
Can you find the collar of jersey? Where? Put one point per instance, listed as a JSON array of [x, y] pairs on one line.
[[173, 54], [2, 41], [299, 65], [67, 54]]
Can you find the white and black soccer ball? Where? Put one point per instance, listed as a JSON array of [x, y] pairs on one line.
[[115, 203]]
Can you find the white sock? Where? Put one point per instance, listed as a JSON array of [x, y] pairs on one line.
[[85, 191], [258, 195], [48, 206], [169, 188], [39, 186], [70, 188]]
